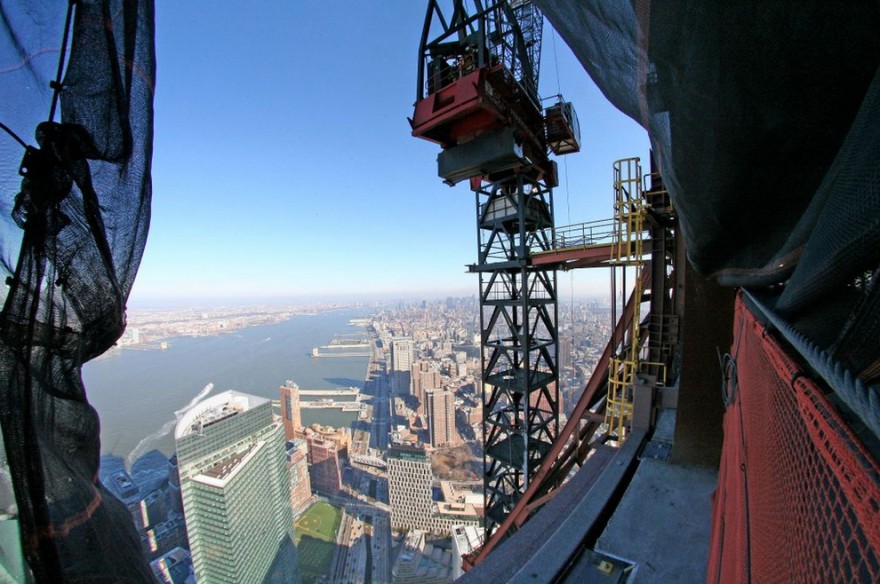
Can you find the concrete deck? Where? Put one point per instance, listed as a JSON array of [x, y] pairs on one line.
[[663, 523]]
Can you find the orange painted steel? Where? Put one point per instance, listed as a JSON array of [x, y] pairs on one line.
[[592, 256], [798, 496]]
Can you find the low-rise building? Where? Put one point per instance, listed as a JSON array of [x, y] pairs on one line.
[[420, 562]]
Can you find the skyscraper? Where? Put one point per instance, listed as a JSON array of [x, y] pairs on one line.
[[290, 412], [401, 362], [565, 346], [425, 377], [402, 353], [236, 496], [416, 383], [410, 481], [409, 487], [440, 408]]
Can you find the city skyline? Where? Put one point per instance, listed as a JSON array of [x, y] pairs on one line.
[[348, 465], [284, 168]]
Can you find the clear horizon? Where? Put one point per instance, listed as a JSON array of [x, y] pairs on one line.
[[184, 303], [283, 163]]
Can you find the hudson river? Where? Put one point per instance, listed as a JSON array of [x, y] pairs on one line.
[[137, 392]]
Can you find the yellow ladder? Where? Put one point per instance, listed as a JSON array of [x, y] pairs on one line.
[[627, 251]]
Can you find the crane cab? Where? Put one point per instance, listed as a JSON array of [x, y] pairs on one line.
[[562, 128]]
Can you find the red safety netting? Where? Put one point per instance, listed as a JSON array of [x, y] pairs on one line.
[[798, 496]]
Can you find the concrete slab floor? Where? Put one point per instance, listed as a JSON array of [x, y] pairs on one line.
[[664, 431], [663, 523]]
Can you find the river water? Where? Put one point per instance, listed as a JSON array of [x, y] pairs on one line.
[[137, 392]]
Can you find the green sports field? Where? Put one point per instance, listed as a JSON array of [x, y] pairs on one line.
[[316, 540]]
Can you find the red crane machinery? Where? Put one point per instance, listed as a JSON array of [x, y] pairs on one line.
[[478, 99]]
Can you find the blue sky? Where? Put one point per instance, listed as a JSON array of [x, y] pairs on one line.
[[284, 167]]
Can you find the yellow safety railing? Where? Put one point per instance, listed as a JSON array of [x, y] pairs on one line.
[[629, 213], [648, 366], [656, 195], [627, 251]]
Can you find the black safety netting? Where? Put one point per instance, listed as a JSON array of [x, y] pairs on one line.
[[764, 118], [74, 214]]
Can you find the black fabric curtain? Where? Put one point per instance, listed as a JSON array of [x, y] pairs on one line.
[[763, 118], [73, 224]]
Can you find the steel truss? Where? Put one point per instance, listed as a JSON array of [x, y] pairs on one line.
[[518, 322]]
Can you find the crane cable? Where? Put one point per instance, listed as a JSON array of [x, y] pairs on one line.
[[564, 169], [56, 84], [14, 136]]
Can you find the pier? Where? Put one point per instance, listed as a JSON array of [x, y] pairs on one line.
[[326, 399], [350, 345], [345, 406], [347, 391], [316, 352]]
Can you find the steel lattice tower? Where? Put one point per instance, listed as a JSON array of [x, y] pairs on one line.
[[478, 99], [518, 316]]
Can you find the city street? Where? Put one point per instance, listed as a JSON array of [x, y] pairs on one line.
[[365, 531], [364, 537]]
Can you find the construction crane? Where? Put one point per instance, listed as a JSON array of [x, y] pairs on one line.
[[477, 97]]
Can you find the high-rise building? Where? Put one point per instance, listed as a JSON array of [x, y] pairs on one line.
[[565, 347], [416, 382], [236, 497], [326, 448], [409, 487], [290, 410], [401, 353], [298, 468], [401, 363], [409, 492], [424, 377], [440, 407], [431, 379]]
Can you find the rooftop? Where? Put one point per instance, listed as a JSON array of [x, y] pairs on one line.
[[215, 409], [222, 472], [407, 452], [463, 510]]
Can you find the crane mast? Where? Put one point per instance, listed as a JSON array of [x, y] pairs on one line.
[[477, 97]]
